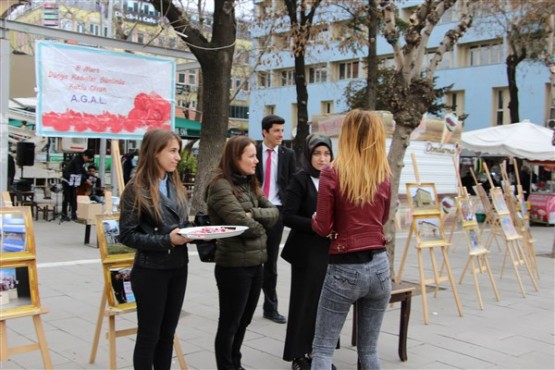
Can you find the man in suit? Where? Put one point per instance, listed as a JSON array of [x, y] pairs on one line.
[[276, 165]]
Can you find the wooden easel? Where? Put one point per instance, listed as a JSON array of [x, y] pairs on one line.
[[511, 238], [41, 344], [476, 251], [442, 243], [491, 216], [25, 259], [6, 199], [111, 313], [520, 216]]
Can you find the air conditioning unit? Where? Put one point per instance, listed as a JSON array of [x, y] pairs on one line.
[[550, 123], [73, 145]]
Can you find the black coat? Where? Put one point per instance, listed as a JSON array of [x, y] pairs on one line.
[[150, 238], [308, 254], [286, 169]]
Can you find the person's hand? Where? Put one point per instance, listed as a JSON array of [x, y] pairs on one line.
[[249, 214], [178, 239]]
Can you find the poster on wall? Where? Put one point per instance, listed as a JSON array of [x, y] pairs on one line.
[[97, 93]]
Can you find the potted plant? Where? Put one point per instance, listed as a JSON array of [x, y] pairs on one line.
[[187, 167]]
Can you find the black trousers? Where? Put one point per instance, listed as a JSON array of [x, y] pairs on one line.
[[270, 267], [69, 198], [159, 295], [239, 289]]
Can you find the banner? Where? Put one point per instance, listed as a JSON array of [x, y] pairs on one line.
[[97, 93]]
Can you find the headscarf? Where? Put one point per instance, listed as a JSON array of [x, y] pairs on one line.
[[313, 141]]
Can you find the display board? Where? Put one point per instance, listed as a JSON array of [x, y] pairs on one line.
[[117, 260], [477, 253], [19, 292], [428, 229]]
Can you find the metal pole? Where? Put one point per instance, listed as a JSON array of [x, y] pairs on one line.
[[4, 101]]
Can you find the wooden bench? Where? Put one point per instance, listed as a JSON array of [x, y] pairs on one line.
[[399, 293]]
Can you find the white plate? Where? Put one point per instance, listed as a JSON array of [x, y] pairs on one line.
[[212, 232]]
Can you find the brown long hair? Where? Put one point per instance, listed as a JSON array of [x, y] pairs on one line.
[[147, 175], [361, 161], [228, 168]]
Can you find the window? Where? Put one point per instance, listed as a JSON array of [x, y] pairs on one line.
[[269, 109], [317, 74], [191, 77], [94, 29], [454, 102], [326, 107], [446, 60], [288, 77], [348, 70], [238, 112], [181, 78], [140, 38], [482, 54], [264, 80], [501, 108]]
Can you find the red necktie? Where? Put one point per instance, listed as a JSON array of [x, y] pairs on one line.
[[268, 173]]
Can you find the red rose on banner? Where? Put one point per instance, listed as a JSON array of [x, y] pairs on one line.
[[150, 111]]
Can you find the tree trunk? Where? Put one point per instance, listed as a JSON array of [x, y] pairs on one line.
[[372, 57], [512, 63], [302, 109], [399, 143], [214, 127]]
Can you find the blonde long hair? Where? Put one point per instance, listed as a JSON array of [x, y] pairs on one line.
[[361, 162]]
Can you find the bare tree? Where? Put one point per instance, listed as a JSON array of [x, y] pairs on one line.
[[301, 17], [528, 29], [215, 56], [412, 91]]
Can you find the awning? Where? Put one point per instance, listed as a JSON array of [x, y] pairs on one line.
[[187, 128]]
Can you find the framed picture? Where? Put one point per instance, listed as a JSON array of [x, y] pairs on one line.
[[508, 227], [422, 198], [429, 229], [467, 210], [473, 235], [16, 234], [111, 250], [117, 277], [18, 287], [498, 201]]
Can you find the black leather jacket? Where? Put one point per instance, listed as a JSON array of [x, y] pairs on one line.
[[149, 238]]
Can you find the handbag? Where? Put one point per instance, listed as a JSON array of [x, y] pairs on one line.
[[206, 248]]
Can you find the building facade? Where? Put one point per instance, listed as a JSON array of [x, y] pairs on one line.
[[476, 69]]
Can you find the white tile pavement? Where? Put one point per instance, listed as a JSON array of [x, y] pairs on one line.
[[515, 333]]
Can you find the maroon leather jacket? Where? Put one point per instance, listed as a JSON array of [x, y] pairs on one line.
[[351, 227]]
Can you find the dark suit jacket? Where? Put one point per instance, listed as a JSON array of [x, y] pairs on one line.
[[303, 247], [286, 169]]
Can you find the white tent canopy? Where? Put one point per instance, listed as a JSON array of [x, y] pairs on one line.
[[521, 140]]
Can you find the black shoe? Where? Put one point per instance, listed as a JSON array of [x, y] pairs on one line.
[[73, 217], [300, 363], [65, 218], [275, 317], [333, 367]]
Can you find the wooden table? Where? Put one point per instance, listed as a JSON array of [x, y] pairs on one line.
[[399, 293]]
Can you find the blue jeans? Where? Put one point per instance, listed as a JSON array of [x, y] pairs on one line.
[[368, 284]]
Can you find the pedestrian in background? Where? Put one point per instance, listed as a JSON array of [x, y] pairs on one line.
[[353, 207], [275, 168], [306, 251], [153, 210], [234, 198], [73, 176]]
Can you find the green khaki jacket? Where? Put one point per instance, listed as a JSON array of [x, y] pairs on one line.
[[224, 208]]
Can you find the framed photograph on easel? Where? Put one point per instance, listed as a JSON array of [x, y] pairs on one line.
[[18, 287], [16, 234], [111, 250], [422, 198]]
